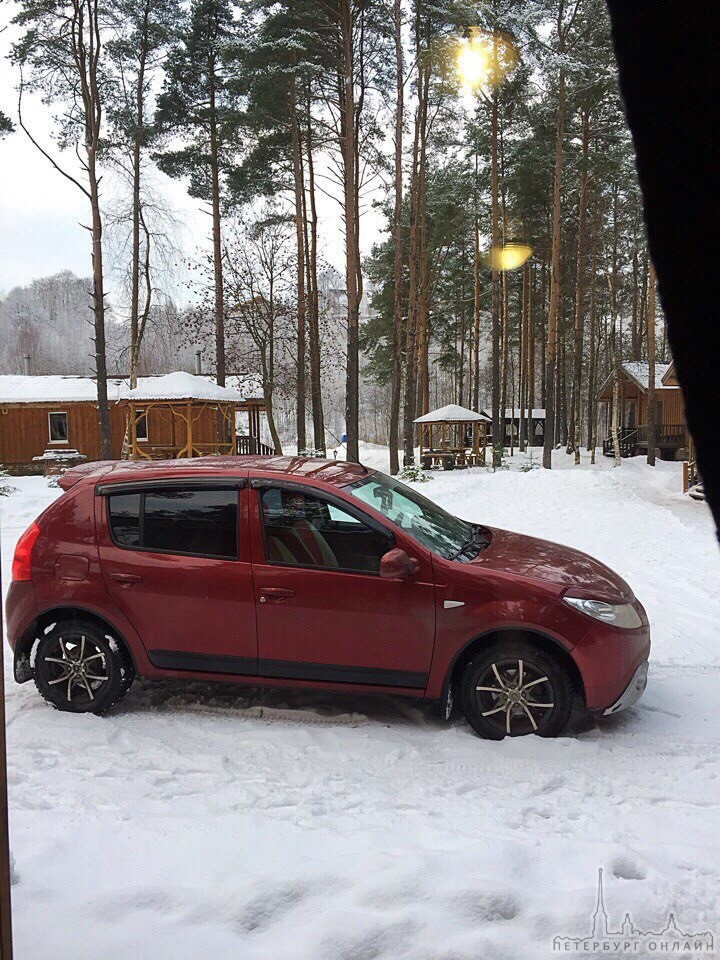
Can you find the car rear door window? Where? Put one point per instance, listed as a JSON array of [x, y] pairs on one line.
[[124, 512], [196, 522]]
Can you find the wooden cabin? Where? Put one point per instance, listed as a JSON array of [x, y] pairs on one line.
[[672, 440], [533, 423], [45, 415]]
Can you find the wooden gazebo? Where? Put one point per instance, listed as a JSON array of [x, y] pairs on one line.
[[196, 417], [452, 436]]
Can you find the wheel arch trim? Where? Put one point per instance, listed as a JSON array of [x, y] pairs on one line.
[[23, 649], [526, 629]]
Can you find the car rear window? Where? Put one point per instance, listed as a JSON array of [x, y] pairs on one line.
[[195, 522]]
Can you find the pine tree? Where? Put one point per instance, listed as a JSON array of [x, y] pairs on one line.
[[199, 107]]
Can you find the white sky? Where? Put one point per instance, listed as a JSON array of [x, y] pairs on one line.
[[41, 212]]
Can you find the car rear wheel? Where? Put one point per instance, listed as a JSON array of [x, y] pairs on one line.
[[513, 688], [81, 669]]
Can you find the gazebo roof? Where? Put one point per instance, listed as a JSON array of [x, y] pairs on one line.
[[453, 413], [180, 386]]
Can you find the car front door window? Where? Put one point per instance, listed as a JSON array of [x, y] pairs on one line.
[[305, 530]]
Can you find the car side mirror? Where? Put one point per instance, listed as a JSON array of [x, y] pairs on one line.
[[397, 565]]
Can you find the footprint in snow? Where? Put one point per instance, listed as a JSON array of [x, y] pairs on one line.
[[626, 869], [488, 907]]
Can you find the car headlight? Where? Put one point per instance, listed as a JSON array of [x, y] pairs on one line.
[[622, 615]]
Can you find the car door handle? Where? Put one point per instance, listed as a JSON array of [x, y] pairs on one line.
[[275, 594], [126, 579]]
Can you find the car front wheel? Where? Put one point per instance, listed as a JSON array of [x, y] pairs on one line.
[[513, 688], [81, 669]]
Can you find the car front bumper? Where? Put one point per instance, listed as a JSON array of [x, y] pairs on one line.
[[632, 692], [610, 662]]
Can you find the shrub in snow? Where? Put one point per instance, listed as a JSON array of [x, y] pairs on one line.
[[310, 452], [6, 488], [413, 474], [529, 464]]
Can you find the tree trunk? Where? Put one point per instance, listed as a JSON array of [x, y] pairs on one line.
[[99, 311], [217, 237], [476, 312], [394, 437], [505, 356], [310, 224], [636, 317], [498, 440], [299, 185], [523, 354], [313, 312], [136, 175], [531, 359], [651, 402], [576, 421], [423, 394], [88, 60], [553, 312], [413, 296], [352, 251], [591, 415], [614, 358]]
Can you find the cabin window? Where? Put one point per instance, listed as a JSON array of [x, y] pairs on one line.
[[141, 427], [58, 427]]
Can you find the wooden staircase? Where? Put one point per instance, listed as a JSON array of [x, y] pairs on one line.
[[628, 440], [697, 492]]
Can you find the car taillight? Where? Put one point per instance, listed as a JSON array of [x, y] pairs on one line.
[[21, 566]]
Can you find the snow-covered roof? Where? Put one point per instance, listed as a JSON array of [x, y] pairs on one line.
[[179, 386], [452, 413], [172, 386], [639, 371], [537, 413], [16, 389]]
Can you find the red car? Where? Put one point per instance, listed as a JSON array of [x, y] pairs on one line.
[[289, 571]]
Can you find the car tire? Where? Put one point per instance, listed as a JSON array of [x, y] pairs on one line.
[[523, 690], [80, 668]]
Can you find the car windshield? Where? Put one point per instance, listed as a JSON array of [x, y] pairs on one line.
[[425, 521]]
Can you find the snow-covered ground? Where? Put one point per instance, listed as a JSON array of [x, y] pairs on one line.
[[236, 824]]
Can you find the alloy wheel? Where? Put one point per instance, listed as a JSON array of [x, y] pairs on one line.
[[78, 667], [515, 697]]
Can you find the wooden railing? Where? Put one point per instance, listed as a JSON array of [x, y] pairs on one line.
[[666, 434], [691, 477], [251, 446], [627, 439]]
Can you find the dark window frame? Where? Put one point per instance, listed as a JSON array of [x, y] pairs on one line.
[[160, 486], [141, 416], [371, 522]]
